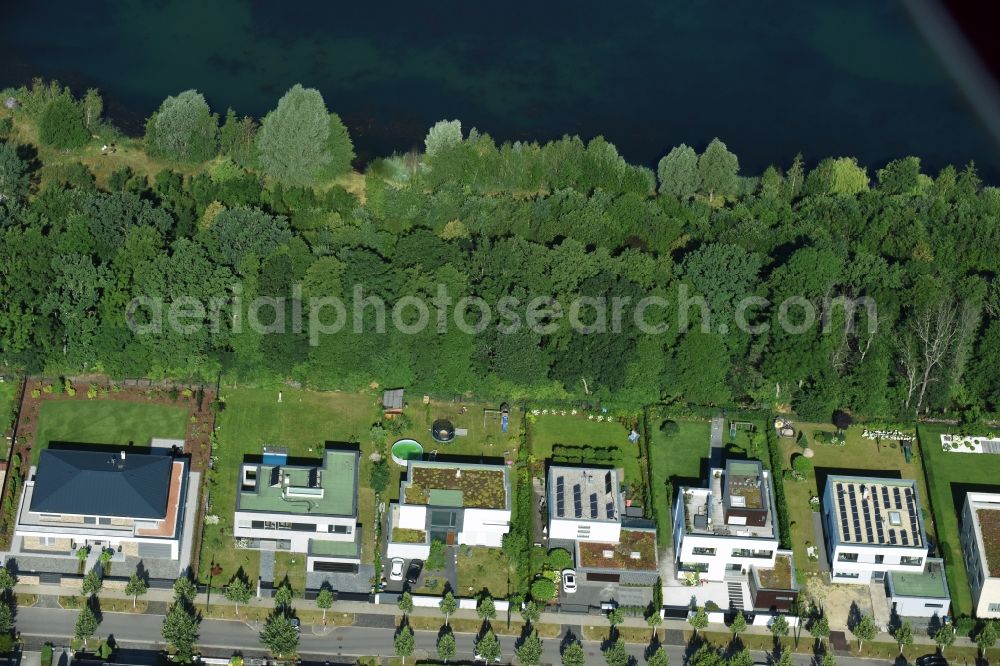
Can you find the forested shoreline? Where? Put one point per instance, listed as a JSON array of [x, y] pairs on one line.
[[207, 205]]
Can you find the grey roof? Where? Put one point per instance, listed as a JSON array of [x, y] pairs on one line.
[[101, 483], [392, 399]]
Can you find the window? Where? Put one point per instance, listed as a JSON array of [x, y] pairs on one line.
[[703, 551], [90, 520], [993, 608], [912, 561], [47, 541], [103, 521], [933, 605], [847, 557], [340, 529], [746, 552], [879, 559], [844, 574]]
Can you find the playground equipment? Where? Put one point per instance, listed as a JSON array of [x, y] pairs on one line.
[[503, 414], [739, 425]]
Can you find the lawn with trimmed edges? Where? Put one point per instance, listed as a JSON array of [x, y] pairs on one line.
[[106, 422], [675, 460], [949, 477]]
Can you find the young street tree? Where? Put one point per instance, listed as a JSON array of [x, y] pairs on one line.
[[654, 620], [446, 646], [742, 658], [615, 617], [180, 630], [698, 621], [529, 652], [488, 647], [7, 579], [903, 635], [987, 637], [184, 590], [530, 613], [405, 603], [864, 630], [283, 597], [135, 588], [448, 605], [616, 654], [739, 624], [486, 609], [6, 617], [820, 629], [238, 591], [91, 583], [404, 643], [324, 600], [659, 658], [945, 637], [779, 628], [280, 635], [573, 655], [86, 623]]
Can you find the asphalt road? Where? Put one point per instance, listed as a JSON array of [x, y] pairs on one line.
[[143, 631]]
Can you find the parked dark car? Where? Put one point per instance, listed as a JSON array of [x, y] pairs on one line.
[[932, 660], [413, 571]]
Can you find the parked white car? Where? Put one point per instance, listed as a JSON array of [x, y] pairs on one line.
[[396, 569], [569, 581]]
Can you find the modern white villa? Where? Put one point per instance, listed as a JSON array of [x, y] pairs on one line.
[[585, 504], [980, 534], [875, 532], [451, 502], [726, 533], [105, 498], [302, 506]]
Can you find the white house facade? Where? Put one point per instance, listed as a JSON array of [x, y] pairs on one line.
[[133, 503], [873, 527], [454, 503], [729, 526], [981, 517], [302, 506]]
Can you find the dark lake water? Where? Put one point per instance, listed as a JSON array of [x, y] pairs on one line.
[[840, 78]]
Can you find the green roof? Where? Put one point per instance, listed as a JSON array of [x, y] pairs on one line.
[[335, 548], [337, 481], [928, 583]]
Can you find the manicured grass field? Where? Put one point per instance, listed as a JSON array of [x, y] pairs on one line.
[[950, 476], [549, 430], [302, 422], [482, 568], [107, 422], [857, 454], [675, 459]]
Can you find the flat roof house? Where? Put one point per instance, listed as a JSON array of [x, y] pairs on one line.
[[584, 504], [128, 501], [981, 548], [302, 506], [875, 531], [727, 532], [452, 502]]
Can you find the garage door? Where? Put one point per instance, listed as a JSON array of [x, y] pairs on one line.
[[336, 567], [603, 577], [154, 550]]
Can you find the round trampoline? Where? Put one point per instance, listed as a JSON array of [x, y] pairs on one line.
[[406, 449], [442, 431]]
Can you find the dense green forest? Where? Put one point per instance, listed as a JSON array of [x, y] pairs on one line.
[[227, 208]]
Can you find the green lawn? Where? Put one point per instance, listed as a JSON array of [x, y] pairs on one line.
[[858, 454], [480, 568], [106, 422], [292, 566], [675, 460], [302, 422], [550, 429], [950, 476]]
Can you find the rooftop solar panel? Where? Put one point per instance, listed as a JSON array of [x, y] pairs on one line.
[[610, 509], [905, 538], [607, 483], [593, 505], [275, 477]]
